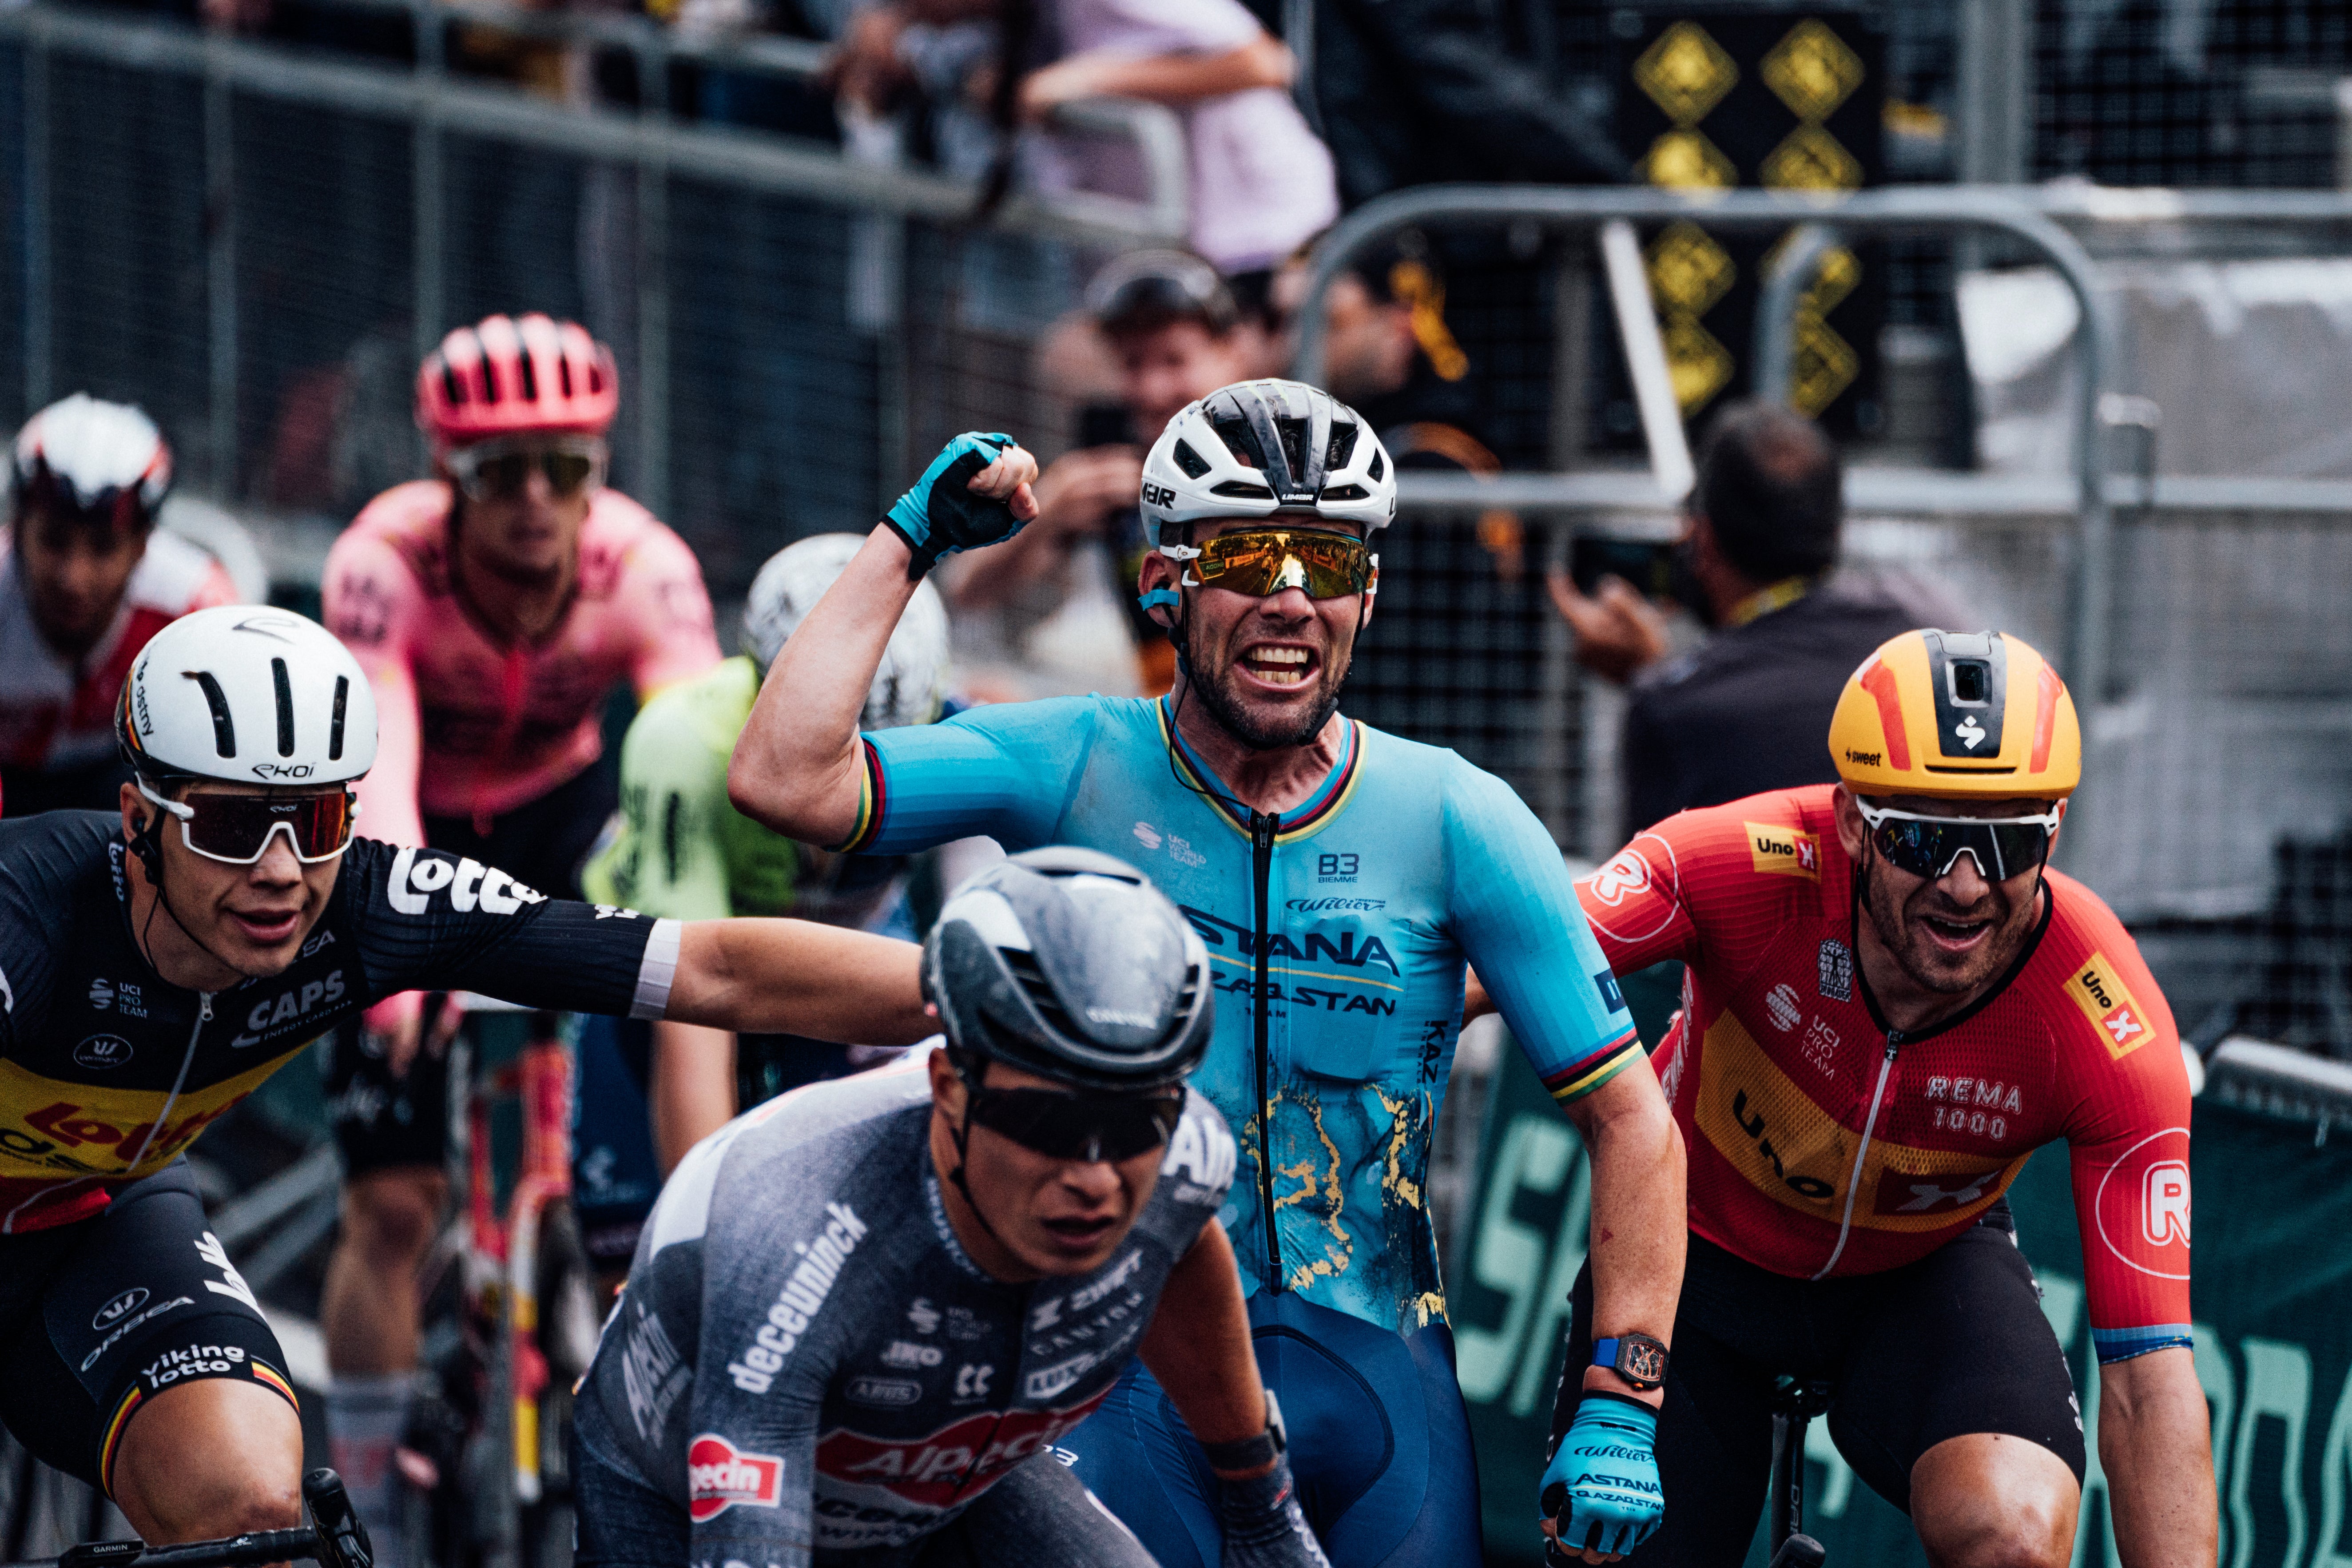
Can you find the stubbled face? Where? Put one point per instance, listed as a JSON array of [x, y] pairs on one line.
[[1161, 369], [1960, 931], [1268, 669], [1057, 1217], [531, 537], [252, 918], [75, 575]]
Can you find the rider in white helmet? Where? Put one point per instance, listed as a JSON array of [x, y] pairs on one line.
[[85, 580], [1340, 878], [160, 960], [683, 852]]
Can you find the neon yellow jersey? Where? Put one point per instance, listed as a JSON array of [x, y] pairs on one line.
[[684, 851]]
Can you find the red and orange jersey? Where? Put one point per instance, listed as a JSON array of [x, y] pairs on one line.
[[1821, 1144]]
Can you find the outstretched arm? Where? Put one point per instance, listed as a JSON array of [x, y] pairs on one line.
[[797, 766], [2155, 1444], [796, 977]]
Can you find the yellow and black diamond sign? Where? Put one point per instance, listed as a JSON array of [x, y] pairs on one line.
[[1718, 94], [1812, 72], [1685, 73], [1810, 159]]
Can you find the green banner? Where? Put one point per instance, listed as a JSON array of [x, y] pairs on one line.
[[2273, 1332]]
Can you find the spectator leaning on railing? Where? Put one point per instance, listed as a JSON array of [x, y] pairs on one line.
[[1260, 182]]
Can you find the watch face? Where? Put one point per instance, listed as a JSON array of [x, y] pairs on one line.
[[1642, 1359]]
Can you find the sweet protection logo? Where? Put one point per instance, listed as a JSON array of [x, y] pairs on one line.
[[719, 1476], [2142, 1206]]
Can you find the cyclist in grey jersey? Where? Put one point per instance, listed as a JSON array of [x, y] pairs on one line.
[[861, 1315]]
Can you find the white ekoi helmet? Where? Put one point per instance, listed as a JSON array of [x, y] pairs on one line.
[[248, 693]]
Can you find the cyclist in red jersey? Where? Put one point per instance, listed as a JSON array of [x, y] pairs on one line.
[[1890, 1002], [493, 606], [85, 580]]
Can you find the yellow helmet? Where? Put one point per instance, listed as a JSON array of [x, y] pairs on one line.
[[1961, 715]]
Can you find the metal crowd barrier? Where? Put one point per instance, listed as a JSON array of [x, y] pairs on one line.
[[435, 105]]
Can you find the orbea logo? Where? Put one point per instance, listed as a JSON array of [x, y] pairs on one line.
[[719, 1476]]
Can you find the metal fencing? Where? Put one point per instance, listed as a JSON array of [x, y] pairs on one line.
[[255, 243]]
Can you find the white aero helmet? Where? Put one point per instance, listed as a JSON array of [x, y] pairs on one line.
[[249, 693], [1259, 448], [912, 680]]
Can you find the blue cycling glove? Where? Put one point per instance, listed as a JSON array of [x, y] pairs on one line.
[[940, 514], [1264, 1526], [1601, 1486]]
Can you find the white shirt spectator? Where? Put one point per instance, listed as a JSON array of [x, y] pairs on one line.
[[1261, 181]]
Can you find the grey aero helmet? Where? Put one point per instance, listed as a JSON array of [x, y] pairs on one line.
[[1071, 965], [1258, 449]]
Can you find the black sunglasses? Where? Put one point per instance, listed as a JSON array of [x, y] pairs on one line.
[[1929, 846], [1088, 1127]]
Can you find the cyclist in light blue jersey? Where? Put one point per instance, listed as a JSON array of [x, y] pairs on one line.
[[1339, 878]]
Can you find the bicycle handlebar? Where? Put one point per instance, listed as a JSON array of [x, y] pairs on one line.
[[334, 1539]]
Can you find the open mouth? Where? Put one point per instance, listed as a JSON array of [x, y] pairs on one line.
[[266, 929], [1955, 936], [1279, 665], [1079, 1235]]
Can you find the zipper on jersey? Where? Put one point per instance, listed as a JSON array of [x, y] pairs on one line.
[[1869, 1123], [1263, 825], [155, 1128]]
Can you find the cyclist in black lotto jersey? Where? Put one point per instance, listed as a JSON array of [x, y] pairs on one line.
[[861, 1315], [157, 963]]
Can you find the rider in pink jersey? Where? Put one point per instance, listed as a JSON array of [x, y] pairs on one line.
[[493, 607], [473, 726]]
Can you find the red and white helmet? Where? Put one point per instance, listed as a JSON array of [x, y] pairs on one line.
[[508, 376], [91, 458]]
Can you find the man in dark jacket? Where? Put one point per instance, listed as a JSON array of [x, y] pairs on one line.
[[1745, 711]]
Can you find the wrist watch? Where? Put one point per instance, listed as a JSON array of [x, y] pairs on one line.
[[1637, 1358]]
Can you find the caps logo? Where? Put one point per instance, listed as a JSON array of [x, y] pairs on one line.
[[1836, 971], [1627, 873], [719, 1476], [1778, 850], [2142, 1205], [2107, 1003]]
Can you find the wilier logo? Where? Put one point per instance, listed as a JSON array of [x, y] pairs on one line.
[[1781, 851], [2104, 1000]]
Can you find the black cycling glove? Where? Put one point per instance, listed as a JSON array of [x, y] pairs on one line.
[[1263, 1525], [940, 514]]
